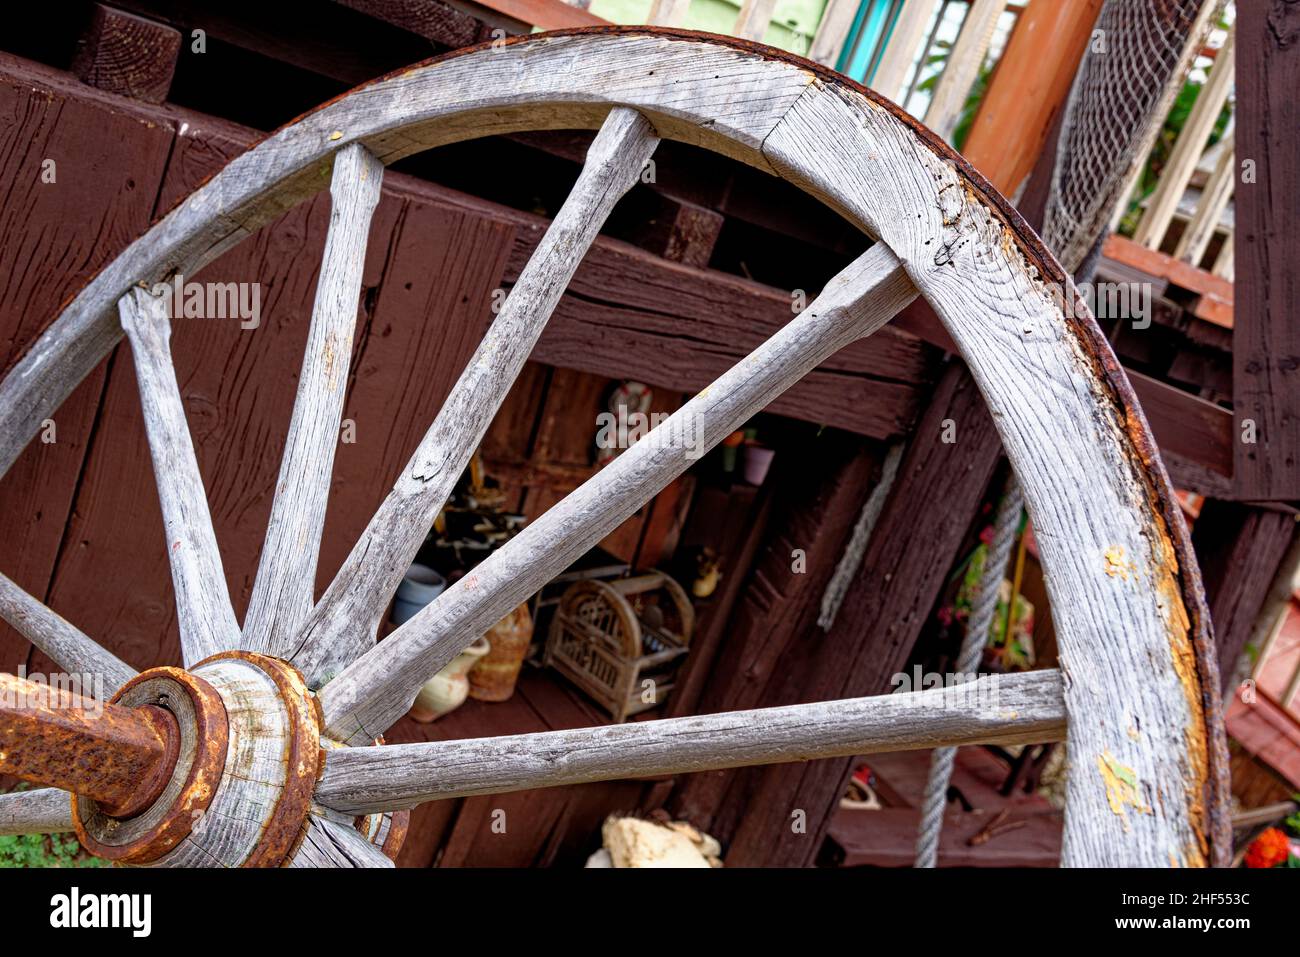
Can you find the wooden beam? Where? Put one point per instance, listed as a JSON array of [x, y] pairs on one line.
[[754, 18], [907, 562], [833, 31], [818, 498], [1215, 292], [542, 14], [1029, 88], [963, 66], [126, 54], [1266, 337], [1187, 151], [1239, 548], [896, 65]]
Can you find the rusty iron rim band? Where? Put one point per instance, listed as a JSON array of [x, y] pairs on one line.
[[211, 739], [399, 823], [285, 827]]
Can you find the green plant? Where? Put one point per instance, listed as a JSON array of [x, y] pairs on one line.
[[971, 106], [1292, 821], [44, 850], [1158, 158]]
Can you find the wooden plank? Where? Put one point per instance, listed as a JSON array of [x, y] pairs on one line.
[[77, 223], [1017, 708], [818, 497], [906, 564], [1266, 337], [833, 31], [1188, 428], [964, 61], [542, 14], [125, 54], [1209, 210], [887, 838], [1031, 83], [754, 18], [1186, 154], [1239, 548], [1184, 275], [900, 52], [431, 19], [668, 13]]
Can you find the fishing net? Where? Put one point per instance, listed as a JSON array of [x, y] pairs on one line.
[[1139, 55]]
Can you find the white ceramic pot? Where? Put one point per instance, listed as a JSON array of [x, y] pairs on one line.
[[419, 586], [757, 461], [447, 690]]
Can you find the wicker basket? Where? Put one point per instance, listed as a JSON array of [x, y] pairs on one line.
[[622, 641]]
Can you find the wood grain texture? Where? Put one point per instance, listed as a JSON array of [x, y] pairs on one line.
[[1027, 708], [1187, 151], [376, 689], [94, 140], [1112, 545], [343, 624], [329, 843], [1240, 548], [965, 58], [207, 620], [39, 811], [283, 591], [833, 31], [754, 18], [1265, 334], [980, 282], [125, 54], [909, 557], [65, 645]]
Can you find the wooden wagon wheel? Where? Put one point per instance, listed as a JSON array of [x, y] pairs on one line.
[[1137, 685]]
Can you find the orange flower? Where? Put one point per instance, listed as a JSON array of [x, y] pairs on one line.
[[1270, 849]]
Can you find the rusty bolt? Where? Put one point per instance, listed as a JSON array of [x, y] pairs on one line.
[[121, 757]]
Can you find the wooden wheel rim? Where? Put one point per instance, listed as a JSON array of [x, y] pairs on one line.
[[1124, 586]]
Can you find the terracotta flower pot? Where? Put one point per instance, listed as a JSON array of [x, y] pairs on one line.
[[494, 677], [447, 690]]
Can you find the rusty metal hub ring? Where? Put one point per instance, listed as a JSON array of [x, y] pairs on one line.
[[203, 732], [287, 824]]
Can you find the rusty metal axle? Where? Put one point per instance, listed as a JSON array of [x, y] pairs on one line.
[[121, 757]]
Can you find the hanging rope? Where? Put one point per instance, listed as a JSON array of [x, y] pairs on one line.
[[848, 564], [1005, 525]]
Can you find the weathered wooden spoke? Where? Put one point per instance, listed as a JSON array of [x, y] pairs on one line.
[[1012, 709], [42, 811], [207, 620], [378, 688], [343, 624], [283, 592], [241, 729], [66, 645]]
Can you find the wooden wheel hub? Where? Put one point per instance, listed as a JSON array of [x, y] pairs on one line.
[[202, 734]]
